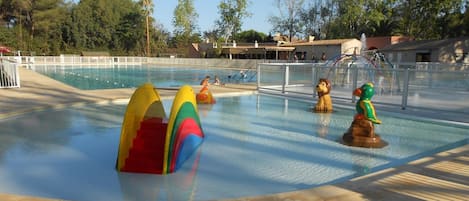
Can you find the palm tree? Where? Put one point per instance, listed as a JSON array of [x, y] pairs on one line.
[[147, 9]]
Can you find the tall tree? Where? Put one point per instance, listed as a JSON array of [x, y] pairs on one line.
[[251, 36], [147, 9], [326, 14], [311, 19], [118, 26], [351, 18], [106, 16], [13, 17], [46, 21], [159, 38], [39, 20], [423, 19], [289, 20], [374, 17], [129, 36], [383, 18], [411, 16], [184, 22], [449, 18], [232, 13], [465, 21]]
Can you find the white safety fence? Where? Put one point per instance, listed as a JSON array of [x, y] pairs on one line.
[[74, 60], [439, 86], [9, 75], [31, 62]]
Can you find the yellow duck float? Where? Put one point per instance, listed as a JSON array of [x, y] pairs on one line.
[[205, 96]]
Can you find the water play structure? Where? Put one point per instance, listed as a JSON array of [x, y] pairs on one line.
[[362, 133], [150, 142], [376, 68], [323, 89]]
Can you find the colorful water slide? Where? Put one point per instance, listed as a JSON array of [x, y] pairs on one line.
[[152, 143], [184, 107]]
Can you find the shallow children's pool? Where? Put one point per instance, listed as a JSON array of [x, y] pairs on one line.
[[254, 145]]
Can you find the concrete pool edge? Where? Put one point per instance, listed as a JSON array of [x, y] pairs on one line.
[[20, 112]]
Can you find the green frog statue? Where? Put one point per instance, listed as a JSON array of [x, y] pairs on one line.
[[361, 132]]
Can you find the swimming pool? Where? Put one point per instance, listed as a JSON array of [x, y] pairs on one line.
[[132, 76], [126, 76], [254, 145]]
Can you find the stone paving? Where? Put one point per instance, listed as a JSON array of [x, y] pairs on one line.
[[444, 176]]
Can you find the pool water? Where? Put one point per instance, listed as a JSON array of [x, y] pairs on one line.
[[111, 77], [254, 145]]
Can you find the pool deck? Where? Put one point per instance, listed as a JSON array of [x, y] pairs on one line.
[[41, 92], [443, 176]]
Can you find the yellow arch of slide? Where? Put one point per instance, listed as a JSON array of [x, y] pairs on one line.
[[144, 97]]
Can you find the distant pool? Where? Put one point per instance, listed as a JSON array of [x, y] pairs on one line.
[[123, 76], [254, 145]]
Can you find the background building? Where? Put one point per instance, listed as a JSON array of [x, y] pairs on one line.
[[452, 50]]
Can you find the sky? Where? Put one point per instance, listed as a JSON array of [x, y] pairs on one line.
[[208, 12]]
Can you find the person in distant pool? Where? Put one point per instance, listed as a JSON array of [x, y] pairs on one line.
[[205, 81], [205, 96], [217, 81], [323, 57], [242, 74]]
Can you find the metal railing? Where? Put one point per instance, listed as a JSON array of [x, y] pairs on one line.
[[90, 60], [73, 60], [440, 86], [77, 60], [9, 75]]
